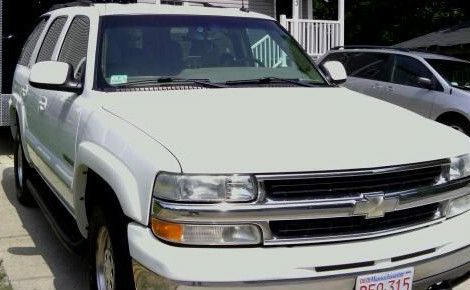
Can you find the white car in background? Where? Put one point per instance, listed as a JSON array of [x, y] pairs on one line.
[[434, 86]]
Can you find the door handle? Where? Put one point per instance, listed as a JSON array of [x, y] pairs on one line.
[[377, 86], [42, 104], [24, 91], [390, 88]]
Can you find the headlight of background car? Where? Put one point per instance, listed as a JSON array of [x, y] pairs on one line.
[[205, 188], [459, 167]]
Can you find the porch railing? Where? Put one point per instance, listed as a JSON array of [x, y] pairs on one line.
[[315, 36], [268, 52]]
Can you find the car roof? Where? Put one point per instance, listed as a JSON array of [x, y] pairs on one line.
[[425, 55], [161, 9]]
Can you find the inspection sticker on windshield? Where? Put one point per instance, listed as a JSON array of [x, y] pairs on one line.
[[393, 280], [118, 79]]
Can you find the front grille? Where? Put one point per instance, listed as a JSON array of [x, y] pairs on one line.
[[353, 225], [351, 184]]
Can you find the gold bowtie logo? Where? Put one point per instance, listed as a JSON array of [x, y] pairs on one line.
[[375, 205]]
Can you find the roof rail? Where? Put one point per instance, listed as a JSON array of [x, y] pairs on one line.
[[82, 3], [370, 47], [182, 2]]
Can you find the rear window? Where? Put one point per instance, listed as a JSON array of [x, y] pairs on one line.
[[50, 40], [30, 44]]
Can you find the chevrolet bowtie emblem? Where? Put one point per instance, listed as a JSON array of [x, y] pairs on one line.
[[375, 205]]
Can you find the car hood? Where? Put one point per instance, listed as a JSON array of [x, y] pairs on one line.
[[266, 130]]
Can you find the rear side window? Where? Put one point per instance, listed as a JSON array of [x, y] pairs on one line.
[[50, 40], [75, 46], [407, 70], [366, 65], [31, 43]]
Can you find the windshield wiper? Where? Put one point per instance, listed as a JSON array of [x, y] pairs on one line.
[[269, 80], [170, 80]]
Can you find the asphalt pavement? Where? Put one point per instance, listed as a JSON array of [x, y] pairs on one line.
[[33, 256]]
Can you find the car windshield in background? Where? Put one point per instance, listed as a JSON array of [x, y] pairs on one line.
[[456, 73], [143, 50]]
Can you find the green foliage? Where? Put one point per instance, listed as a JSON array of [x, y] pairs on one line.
[[4, 284], [386, 22]]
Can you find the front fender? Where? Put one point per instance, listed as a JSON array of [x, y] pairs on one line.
[[116, 174]]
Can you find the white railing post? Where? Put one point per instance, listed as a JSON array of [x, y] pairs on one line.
[[283, 21], [295, 18], [341, 21]]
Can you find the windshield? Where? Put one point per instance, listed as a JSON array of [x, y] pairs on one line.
[[456, 73], [210, 48]]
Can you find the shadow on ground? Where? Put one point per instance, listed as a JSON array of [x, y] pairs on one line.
[[6, 142], [68, 270]]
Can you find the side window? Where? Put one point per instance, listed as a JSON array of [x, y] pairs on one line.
[[366, 65], [50, 40], [31, 43], [407, 70], [75, 46]]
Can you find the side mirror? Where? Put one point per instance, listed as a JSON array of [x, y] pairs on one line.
[[52, 75], [336, 72], [425, 83]]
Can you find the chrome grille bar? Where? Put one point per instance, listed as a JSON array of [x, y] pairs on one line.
[[266, 209]]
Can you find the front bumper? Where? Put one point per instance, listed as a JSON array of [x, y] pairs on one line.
[[147, 280], [438, 253]]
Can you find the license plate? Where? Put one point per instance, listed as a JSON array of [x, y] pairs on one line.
[[393, 280]]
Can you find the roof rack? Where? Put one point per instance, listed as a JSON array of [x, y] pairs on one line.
[[183, 2], [370, 47], [81, 3]]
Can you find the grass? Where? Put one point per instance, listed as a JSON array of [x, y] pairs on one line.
[[4, 283]]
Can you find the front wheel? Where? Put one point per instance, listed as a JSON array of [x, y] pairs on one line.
[[22, 172], [110, 261]]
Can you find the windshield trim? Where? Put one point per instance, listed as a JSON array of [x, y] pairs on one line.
[[98, 79]]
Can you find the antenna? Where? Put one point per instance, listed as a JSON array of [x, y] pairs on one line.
[[244, 9]]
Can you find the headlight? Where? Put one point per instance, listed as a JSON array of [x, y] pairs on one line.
[[204, 188], [458, 206], [459, 167], [206, 235]]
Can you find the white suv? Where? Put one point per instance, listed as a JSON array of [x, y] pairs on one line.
[[188, 147], [434, 86]]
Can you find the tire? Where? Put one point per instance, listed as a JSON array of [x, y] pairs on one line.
[[458, 125], [110, 261], [22, 173]]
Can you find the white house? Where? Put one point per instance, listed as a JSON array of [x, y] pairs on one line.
[[315, 35]]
